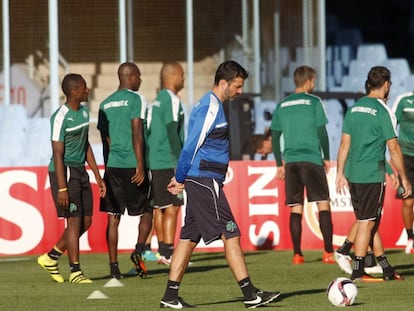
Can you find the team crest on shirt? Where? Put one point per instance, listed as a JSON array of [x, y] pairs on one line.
[[231, 226]]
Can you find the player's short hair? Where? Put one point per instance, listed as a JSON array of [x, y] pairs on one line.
[[303, 74], [376, 78], [230, 70], [70, 82]]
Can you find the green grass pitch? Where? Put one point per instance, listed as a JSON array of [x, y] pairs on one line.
[[208, 284]]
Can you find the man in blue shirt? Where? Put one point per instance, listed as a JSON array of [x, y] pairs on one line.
[[201, 169]]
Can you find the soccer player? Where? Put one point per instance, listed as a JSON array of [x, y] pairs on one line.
[[301, 118], [165, 131], [69, 181], [201, 168], [342, 254], [120, 122], [369, 127], [403, 109]]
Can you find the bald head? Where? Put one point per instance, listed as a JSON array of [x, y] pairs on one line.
[[172, 76], [129, 76]]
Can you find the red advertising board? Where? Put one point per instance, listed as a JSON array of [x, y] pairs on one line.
[[28, 223]]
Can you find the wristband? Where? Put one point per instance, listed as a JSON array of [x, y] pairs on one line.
[[63, 189]]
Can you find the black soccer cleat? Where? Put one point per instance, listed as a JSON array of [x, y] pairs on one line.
[[260, 298], [139, 264], [177, 303]]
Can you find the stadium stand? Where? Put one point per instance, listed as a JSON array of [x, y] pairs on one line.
[[25, 140]]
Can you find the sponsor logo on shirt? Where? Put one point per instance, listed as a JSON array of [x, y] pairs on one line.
[[371, 111], [115, 104], [296, 102]]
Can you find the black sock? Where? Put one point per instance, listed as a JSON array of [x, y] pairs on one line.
[[161, 248], [55, 253], [370, 259], [346, 247], [325, 224], [296, 232], [168, 250], [409, 233], [74, 267], [114, 267], [358, 267], [247, 287], [139, 248], [171, 292], [147, 247], [385, 265]]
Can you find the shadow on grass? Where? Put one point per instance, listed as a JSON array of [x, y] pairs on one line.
[[236, 300], [165, 270], [282, 297]]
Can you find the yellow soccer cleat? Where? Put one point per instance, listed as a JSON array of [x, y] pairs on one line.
[[78, 278], [51, 267]]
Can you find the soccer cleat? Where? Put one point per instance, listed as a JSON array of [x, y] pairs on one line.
[[78, 278], [51, 266], [344, 262], [164, 261], [409, 247], [139, 264], [394, 276], [328, 258], [298, 259], [177, 303], [150, 256], [260, 299], [375, 269], [115, 273]]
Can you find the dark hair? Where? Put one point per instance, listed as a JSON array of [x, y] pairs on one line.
[[70, 82], [376, 78], [228, 71], [302, 74]]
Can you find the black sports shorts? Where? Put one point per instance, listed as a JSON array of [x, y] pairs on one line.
[[80, 192], [121, 194], [367, 200], [161, 196], [301, 175]]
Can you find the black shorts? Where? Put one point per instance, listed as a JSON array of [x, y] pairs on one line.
[[367, 200], [409, 171], [208, 214], [161, 196], [301, 175], [79, 190], [121, 194]]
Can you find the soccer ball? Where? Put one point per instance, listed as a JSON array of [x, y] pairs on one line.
[[342, 292]]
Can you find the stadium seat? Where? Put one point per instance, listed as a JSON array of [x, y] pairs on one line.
[[408, 83], [335, 116], [353, 84], [359, 68], [374, 53], [11, 149], [288, 86], [400, 69]]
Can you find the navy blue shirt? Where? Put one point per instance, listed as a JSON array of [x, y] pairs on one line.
[[206, 150]]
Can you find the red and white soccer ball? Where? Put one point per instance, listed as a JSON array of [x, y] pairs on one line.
[[342, 292]]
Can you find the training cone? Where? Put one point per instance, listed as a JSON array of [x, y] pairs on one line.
[[114, 283], [97, 295]]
